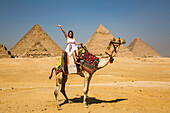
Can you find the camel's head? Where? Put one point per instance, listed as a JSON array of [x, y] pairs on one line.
[[118, 41], [114, 43]]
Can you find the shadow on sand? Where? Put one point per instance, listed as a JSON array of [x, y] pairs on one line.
[[92, 100]]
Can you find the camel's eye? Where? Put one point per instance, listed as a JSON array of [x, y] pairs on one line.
[[111, 42]]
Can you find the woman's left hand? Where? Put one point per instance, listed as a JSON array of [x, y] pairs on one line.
[[81, 44]]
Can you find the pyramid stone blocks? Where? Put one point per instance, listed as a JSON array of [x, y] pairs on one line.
[[124, 52], [4, 53], [141, 49], [99, 41], [36, 43]]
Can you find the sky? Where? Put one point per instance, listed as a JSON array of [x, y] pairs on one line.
[[147, 19]]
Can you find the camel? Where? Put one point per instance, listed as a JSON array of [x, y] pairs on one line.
[[61, 79]]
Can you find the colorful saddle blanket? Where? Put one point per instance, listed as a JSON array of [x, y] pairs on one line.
[[67, 65], [88, 61]]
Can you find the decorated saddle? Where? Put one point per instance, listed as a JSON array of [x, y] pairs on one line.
[[66, 64], [88, 62]]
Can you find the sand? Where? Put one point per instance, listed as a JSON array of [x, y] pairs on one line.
[[129, 85]]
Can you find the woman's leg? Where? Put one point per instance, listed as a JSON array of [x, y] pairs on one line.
[[74, 56], [77, 51]]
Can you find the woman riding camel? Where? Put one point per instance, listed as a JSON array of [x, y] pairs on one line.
[[71, 48]]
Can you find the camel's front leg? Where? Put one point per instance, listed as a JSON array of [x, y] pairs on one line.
[[58, 82], [86, 88], [56, 94]]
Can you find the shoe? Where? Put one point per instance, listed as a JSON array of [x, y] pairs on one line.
[[77, 63], [77, 57]]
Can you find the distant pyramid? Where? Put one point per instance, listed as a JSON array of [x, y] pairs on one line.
[[4, 53], [141, 49], [99, 41], [124, 52], [36, 43]]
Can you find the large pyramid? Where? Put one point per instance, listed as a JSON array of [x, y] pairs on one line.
[[124, 52], [4, 53], [141, 49], [36, 43], [99, 41]]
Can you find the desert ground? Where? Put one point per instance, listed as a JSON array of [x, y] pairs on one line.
[[129, 85]]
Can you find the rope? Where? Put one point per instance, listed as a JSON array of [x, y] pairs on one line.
[[114, 50], [117, 51]]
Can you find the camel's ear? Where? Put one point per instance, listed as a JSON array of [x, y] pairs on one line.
[[119, 40]]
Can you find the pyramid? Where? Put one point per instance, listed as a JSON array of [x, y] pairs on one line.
[[4, 53], [36, 43], [141, 49], [99, 41], [37, 50], [124, 52]]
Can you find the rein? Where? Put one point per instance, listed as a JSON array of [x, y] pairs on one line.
[[117, 51], [111, 57]]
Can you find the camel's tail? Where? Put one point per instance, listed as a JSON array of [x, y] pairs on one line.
[[52, 73]]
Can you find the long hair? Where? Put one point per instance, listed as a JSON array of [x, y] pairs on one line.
[[72, 34]]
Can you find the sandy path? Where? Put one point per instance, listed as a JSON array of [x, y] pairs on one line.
[[136, 85], [109, 98]]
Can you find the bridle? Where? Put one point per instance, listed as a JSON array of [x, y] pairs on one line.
[[114, 45]]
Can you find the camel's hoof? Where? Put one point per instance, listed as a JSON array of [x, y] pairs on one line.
[[50, 77], [59, 108], [86, 106], [69, 101]]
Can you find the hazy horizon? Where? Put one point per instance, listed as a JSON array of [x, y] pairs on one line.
[[128, 19]]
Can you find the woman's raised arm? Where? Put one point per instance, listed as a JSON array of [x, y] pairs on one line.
[[63, 31]]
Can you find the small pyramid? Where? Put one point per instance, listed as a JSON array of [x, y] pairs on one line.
[[99, 41], [4, 53], [124, 52], [34, 42], [141, 49]]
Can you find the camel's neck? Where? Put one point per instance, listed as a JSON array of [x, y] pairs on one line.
[[103, 62]]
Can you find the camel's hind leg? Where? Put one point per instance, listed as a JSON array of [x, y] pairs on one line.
[[63, 82], [86, 88], [58, 82]]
